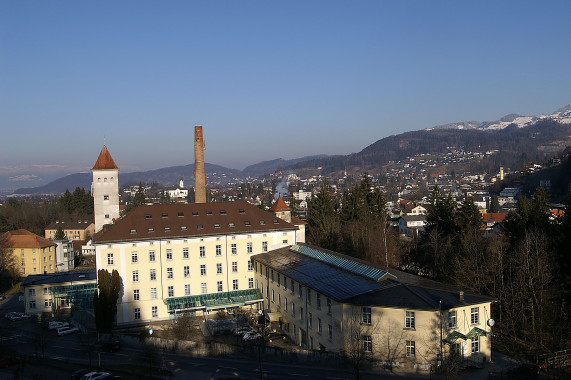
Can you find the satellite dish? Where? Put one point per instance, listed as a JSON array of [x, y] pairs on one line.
[[260, 312], [491, 322]]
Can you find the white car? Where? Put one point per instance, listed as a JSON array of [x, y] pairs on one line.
[[66, 330], [20, 316], [95, 375], [54, 325]]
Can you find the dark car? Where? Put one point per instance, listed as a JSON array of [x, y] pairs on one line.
[[111, 346]]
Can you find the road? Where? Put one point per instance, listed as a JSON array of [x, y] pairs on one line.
[[28, 338]]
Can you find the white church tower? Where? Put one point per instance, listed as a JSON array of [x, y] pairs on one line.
[[105, 190]]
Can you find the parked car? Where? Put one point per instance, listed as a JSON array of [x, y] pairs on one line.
[[111, 346], [95, 376], [2, 298], [79, 373], [54, 325], [20, 316], [10, 314], [67, 330]]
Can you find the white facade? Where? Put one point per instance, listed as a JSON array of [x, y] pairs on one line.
[[64, 255], [105, 192]]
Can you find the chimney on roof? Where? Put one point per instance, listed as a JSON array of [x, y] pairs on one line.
[[199, 174], [461, 296]]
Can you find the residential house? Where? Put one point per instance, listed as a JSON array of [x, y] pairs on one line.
[[31, 254], [412, 225]]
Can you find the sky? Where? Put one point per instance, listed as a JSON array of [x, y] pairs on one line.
[[265, 79]]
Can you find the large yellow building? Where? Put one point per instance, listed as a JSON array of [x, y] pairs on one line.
[[328, 301], [192, 257], [31, 254]]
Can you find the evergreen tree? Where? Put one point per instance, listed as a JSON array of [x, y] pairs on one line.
[[59, 234], [105, 299], [323, 222], [494, 204]]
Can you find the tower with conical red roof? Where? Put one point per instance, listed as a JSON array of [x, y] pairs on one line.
[[105, 190]]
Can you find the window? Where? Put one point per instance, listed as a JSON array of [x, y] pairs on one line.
[[310, 320], [155, 311], [153, 293], [251, 268], [171, 291], [151, 256], [203, 289], [284, 241], [251, 283], [203, 270], [135, 276], [153, 274], [249, 248], [285, 282], [292, 286], [106, 216], [235, 285], [474, 315], [300, 291], [234, 266], [264, 246], [219, 286], [32, 304], [218, 268], [328, 305], [137, 311], [218, 250], [330, 331], [410, 348], [286, 304], [366, 315], [31, 292], [279, 280], [367, 343], [186, 271], [185, 253], [48, 303], [169, 254], [234, 249], [135, 294], [273, 295], [451, 319], [301, 313], [45, 290], [308, 291], [202, 250], [187, 289], [293, 309], [109, 259], [318, 299], [409, 320], [475, 344]]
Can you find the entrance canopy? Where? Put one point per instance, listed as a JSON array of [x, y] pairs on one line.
[[214, 300], [78, 294], [456, 336]]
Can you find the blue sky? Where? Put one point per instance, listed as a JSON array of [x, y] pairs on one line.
[[265, 79]]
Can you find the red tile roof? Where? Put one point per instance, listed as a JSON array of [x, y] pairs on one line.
[[190, 220], [104, 161], [496, 217], [280, 205], [24, 239]]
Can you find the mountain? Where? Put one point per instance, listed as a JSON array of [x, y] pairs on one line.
[[166, 176], [271, 166], [562, 115]]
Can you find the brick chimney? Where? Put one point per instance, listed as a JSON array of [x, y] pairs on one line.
[[199, 174]]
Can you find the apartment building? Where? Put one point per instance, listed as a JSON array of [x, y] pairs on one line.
[[79, 230], [328, 301], [176, 258], [31, 254]]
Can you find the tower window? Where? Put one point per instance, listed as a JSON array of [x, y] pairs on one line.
[[106, 197]]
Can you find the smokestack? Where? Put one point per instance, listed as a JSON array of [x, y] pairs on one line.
[[199, 174]]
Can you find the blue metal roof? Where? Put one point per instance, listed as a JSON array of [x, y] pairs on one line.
[[340, 262]]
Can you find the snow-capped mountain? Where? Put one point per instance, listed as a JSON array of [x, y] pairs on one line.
[[562, 115]]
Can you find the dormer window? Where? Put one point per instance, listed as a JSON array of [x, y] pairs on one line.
[[276, 221], [151, 229], [216, 225], [200, 226], [208, 212], [148, 216], [167, 229], [222, 212], [242, 211], [180, 214], [165, 215], [262, 222], [231, 224], [195, 213], [183, 228], [247, 222], [133, 231]]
